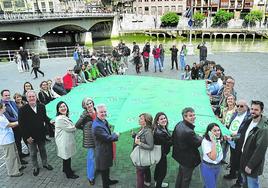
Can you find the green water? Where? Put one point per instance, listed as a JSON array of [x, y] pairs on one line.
[[214, 46]]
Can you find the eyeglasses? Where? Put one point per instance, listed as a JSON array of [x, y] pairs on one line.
[[241, 106]]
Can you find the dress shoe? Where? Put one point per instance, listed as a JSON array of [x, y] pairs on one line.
[[223, 162], [147, 184], [162, 185], [17, 175], [112, 182], [73, 176], [236, 185], [48, 167], [24, 155], [91, 182], [36, 171], [229, 176], [23, 162], [22, 168]]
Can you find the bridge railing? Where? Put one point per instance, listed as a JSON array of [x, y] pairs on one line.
[[56, 52], [7, 17]]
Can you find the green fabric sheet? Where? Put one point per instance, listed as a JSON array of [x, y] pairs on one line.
[[126, 97]]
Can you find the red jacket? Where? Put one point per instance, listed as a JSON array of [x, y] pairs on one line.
[[67, 81], [156, 52]]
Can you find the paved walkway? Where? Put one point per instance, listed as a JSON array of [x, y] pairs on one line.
[[249, 70]]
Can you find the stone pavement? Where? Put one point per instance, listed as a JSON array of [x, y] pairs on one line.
[[249, 70]]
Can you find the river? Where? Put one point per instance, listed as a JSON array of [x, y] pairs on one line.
[[214, 46]]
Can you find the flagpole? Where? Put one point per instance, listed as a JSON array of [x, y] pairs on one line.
[[190, 45]]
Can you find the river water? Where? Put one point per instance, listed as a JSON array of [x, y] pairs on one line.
[[214, 46]]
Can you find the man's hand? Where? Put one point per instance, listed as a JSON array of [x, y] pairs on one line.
[[52, 122], [248, 170], [30, 140], [118, 134], [137, 140]]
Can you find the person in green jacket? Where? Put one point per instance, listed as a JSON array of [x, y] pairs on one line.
[[94, 70]]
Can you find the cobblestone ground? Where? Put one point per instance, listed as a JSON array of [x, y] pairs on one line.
[[249, 70]]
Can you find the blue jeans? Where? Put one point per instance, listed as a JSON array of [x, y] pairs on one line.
[[157, 62], [182, 62], [90, 164], [162, 61], [251, 182], [210, 174]]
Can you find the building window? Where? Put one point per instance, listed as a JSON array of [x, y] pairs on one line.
[[43, 5], [160, 11], [140, 10], [180, 8], [153, 10], [19, 3], [7, 4], [146, 10], [166, 9], [173, 8]]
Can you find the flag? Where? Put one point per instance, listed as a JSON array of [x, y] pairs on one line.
[[188, 13]]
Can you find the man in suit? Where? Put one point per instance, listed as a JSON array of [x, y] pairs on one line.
[[185, 148], [104, 145], [32, 119], [12, 116]]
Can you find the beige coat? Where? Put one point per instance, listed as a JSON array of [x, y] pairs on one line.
[[65, 137]]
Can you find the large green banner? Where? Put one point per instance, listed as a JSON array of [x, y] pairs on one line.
[[126, 97]]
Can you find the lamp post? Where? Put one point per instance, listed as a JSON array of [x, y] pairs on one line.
[[190, 23]]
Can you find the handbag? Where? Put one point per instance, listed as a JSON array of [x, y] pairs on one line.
[[142, 157]]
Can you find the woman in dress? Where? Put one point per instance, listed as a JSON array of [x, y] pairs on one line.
[[65, 138]]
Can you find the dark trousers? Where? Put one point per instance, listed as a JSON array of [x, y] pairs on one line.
[[143, 175], [37, 70], [160, 171], [138, 68], [18, 137], [146, 64], [105, 176], [33, 153], [26, 65], [174, 59], [49, 129], [184, 177], [233, 162], [66, 165]]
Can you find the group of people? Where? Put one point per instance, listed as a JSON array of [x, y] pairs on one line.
[[25, 118]]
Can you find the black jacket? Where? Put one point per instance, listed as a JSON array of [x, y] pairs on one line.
[[32, 123], [85, 123], [59, 89], [253, 154], [163, 137], [185, 145]]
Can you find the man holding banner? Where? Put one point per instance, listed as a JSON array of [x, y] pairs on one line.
[[185, 148]]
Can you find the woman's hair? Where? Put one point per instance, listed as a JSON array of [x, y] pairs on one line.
[[156, 118], [58, 106], [24, 91], [230, 95], [209, 128], [1, 105], [84, 102], [16, 95], [148, 119], [187, 66], [42, 83]]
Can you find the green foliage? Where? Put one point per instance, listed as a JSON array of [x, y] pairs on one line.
[[198, 18], [222, 18], [253, 16], [170, 19]]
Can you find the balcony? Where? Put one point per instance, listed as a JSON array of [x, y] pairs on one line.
[[248, 5], [224, 5]]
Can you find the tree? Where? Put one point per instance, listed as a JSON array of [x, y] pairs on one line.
[[252, 17], [198, 19], [170, 19], [222, 18]]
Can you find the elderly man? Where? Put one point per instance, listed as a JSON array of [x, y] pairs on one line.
[[104, 139], [237, 122], [58, 87], [185, 148], [32, 118], [11, 114], [254, 139]]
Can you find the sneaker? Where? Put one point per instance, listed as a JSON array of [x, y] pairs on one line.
[[17, 175], [229, 177], [112, 182], [147, 183], [162, 185], [48, 167]]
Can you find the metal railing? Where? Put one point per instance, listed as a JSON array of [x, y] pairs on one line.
[[56, 52], [14, 17]]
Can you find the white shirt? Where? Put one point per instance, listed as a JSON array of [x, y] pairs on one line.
[[34, 108], [206, 148], [6, 133], [250, 127]]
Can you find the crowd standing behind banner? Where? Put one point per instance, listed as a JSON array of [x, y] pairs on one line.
[[26, 118]]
